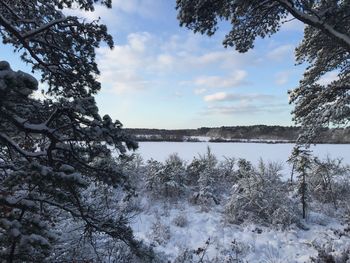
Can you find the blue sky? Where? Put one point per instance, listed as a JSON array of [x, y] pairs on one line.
[[162, 76]]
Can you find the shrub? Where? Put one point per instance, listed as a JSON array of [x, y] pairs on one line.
[[260, 196], [206, 195], [180, 220], [166, 180], [328, 181], [160, 232]]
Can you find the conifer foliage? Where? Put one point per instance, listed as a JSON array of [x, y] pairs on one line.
[[325, 48], [53, 151]]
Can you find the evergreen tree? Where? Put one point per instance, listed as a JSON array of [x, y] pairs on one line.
[[207, 180], [53, 152], [168, 179], [301, 159]]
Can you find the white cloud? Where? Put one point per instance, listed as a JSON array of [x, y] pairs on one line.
[[124, 81], [199, 91], [216, 96], [130, 66], [233, 80], [144, 8], [279, 53], [190, 51], [246, 108], [165, 60], [178, 94], [223, 96], [120, 67], [282, 78]]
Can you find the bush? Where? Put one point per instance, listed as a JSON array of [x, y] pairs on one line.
[[327, 255], [260, 196], [180, 220], [206, 195], [166, 180], [329, 181], [160, 232]]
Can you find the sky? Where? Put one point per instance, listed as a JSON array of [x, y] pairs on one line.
[[160, 75]]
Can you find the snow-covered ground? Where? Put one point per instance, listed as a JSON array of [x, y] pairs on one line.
[[248, 243], [157, 222]]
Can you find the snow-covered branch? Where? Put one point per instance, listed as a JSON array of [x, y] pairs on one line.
[[318, 22], [18, 149], [44, 27]]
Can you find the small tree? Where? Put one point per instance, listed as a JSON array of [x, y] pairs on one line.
[[207, 180], [260, 196], [168, 179], [301, 159], [328, 181]]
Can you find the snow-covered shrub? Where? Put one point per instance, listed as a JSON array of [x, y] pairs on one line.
[[76, 242], [236, 252], [227, 170], [132, 166], [206, 196], [185, 256], [326, 254], [180, 220], [160, 232], [329, 181], [193, 171], [273, 255], [260, 196], [245, 168], [154, 169], [166, 180]]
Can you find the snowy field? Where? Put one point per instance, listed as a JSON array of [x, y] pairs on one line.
[[156, 224], [250, 151]]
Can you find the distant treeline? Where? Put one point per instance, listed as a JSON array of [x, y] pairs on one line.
[[255, 133]]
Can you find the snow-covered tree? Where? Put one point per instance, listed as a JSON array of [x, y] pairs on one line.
[[60, 47], [168, 179], [301, 159], [329, 182], [207, 180], [50, 152], [260, 196], [325, 48], [54, 151]]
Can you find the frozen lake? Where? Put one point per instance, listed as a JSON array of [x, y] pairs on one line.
[[250, 151]]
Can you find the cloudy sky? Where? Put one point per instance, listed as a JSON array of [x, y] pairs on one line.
[[162, 76]]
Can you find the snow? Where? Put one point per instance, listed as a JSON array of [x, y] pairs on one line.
[[160, 151], [257, 243], [248, 242], [199, 138]]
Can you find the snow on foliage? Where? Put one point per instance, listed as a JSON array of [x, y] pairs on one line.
[[51, 159], [259, 216]]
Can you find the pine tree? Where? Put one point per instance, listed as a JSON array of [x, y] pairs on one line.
[[302, 164], [54, 152], [168, 179], [207, 179]]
